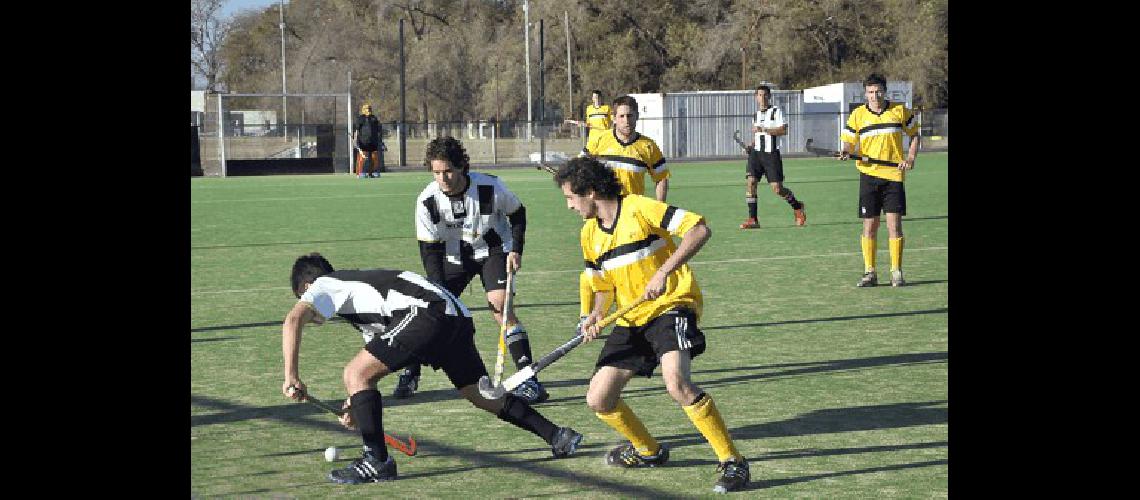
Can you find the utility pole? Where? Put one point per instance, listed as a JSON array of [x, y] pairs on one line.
[[526, 48], [541, 72], [403, 108], [742, 68], [569, 81], [284, 105]]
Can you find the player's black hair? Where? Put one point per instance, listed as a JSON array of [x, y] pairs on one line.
[[625, 101], [875, 79], [767, 90], [585, 174], [450, 149], [307, 269], [596, 91]]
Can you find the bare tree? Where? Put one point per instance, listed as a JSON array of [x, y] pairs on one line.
[[208, 29]]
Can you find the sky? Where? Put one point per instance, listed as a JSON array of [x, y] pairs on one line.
[[233, 6]]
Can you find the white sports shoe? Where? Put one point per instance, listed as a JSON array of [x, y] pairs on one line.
[[897, 278]]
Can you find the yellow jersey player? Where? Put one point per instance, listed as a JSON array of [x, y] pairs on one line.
[[599, 117], [877, 128], [627, 243], [630, 155]]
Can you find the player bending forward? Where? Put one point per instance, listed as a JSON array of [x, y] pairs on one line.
[[403, 317]]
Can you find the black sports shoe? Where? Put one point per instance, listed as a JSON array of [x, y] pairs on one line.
[[734, 476], [566, 442], [367, 469], [532, 391], [406, 385], [627, 456]]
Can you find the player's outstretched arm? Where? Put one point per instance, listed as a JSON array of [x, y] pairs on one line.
[[291, 349]]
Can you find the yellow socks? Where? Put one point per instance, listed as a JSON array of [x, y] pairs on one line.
[[627, 424], [868, 245], [896, 253], [707, 419]]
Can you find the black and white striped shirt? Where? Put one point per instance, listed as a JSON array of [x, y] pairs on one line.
[[476, 217], [772, 117], [370, 299]]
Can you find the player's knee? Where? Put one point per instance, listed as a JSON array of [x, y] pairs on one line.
[[494, 310], [778, 189], [354, 379], [599, 402], [680, 390]]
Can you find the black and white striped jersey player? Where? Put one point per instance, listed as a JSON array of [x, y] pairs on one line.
[[404, 319], [469, 224]]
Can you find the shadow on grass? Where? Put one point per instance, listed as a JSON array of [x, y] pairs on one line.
[[338, 319], [941, 310], [857, 222], [771, 483]]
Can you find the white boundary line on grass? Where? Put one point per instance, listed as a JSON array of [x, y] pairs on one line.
[[725, 261]]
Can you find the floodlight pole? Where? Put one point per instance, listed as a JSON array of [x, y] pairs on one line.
[[403, 109], [284, 104], [569, 72], [526, 57]]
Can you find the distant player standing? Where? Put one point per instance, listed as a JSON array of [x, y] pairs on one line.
[[764, 158], [367, 135], [599, 117], [404, 319], [630, 155], [627, 244], [877, 127], [469, 224]]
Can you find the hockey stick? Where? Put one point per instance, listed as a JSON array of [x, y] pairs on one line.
[[549, 169], [408, 448], [736, 137], [507, 303], [835, 154], [497, 391]]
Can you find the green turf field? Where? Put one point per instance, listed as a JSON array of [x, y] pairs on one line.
[[831, 391]]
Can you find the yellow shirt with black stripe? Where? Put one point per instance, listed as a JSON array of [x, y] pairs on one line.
[[879, 136], [599, 117], [623, 259], [630, 160]]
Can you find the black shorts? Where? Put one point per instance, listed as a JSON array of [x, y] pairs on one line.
[[492, 271], [640, 348], [765, 164], [880, 195], [433, 338]]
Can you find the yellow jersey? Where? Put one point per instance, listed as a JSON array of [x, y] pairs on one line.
[[599, 117], [622, 259], [879, 136], [630, 161]]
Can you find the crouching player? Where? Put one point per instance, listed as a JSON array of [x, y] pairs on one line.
[[404, 318]]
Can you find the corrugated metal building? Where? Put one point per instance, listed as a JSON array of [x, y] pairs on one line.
[[701, 123]]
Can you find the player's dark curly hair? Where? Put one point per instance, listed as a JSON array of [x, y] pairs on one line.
[[626, 101], [767, 90], [875, 79], [450, 149], [586, 174], [307, 269]]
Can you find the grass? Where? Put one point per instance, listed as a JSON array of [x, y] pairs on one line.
[[830, 391]]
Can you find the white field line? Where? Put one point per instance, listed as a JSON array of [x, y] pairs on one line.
[[696, 263], [523, 190]]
